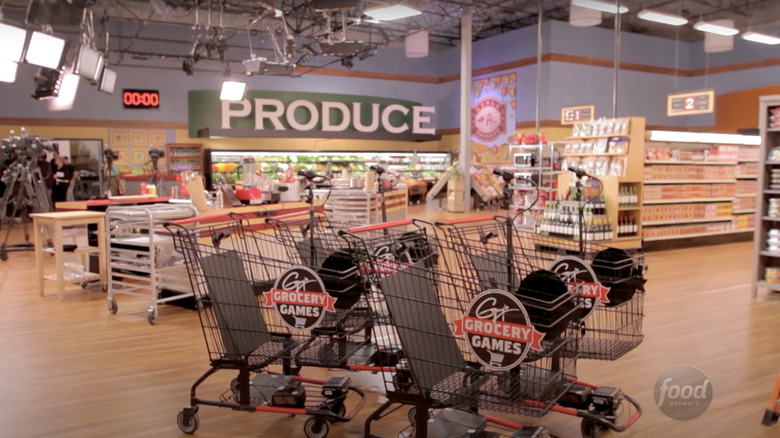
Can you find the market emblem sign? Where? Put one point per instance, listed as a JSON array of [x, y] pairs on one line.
[[498, 330], [488, 118], [300, 299], [312, 115], [580, 278]]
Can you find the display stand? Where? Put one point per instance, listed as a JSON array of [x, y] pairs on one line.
[[184, 157]]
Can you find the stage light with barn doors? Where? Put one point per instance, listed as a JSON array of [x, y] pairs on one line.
[[67, 95], [583, 17], [13, 39], [45, 51], [598, 5], [89, 64], [758, 37], [416, 43], [107, 81], [662, 17], [391, 13], [232, 91], [8, 71]]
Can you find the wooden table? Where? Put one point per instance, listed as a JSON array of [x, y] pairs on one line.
[[56, 221]]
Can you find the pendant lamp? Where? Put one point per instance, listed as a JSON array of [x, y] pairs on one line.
[[584, 17]]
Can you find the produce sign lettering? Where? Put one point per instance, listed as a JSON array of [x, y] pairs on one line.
[[498, 330], [579, 276], [300, 299]]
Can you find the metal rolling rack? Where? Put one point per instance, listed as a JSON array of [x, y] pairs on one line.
[[142, 260]]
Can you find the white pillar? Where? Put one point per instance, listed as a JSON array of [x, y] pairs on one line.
[[465, 105]]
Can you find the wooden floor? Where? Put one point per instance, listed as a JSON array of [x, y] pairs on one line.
[[70, 369]]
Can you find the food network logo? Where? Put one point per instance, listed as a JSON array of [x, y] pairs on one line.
[[683, 392]]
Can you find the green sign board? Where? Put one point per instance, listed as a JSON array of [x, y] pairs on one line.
[[308, 115]]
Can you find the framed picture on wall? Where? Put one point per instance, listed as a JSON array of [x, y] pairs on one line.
[[138, 138], [117, 137], [157, 138], [137, 156]]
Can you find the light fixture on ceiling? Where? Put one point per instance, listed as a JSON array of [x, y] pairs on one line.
[[89, 64], [703, 137], [13, 42], [232, 91], [47, 83], [45, 51], [67, 95], [107, 81], [662, 17], [391, 13], [599, 5], [8, 71], [416, 44], [716, 27], [758, 37], [583, 17]]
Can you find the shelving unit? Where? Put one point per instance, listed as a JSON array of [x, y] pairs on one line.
[[611, 150], [698, 190], [538, 163], [184, 157]]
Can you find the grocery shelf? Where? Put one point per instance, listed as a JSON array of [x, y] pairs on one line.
[[772, 163], [773, 286], [754, 160], [594, 155], [689, 221], [745, 195], [685, 200], [773, 219], [691, 181], [629, 208], [692, 235], [747, 176], [588, 137], [771, 192], [695, 163], [770, 254], [745, 211]]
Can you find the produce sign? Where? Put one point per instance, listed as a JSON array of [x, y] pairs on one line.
[[576, 273], [498, 330], [693, 102], [300, 299], [309, 115]]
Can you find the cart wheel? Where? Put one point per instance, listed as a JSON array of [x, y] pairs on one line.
[[589, 428], [151, 314], [112, 306], [315, 428], [412, 414], [3, 255], [234, 388], [84, 284], [339, 410], [190, 425]]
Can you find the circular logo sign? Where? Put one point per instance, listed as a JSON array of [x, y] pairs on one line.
[[300, 299], [488, 118], [497, 329], [683, 392], [578, 274]]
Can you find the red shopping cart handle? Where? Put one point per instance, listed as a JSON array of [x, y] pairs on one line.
[[292, 215], [382, 226], [466, 220], [207, 218]]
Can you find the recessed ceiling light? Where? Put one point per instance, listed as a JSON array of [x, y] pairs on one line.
[[717, 29], [758, 37], [662, 17], [390, 13], [599, 5]]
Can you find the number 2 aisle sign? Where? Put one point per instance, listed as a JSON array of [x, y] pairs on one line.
[[692, 102]]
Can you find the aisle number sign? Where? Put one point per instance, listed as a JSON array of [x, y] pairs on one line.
[[691, 102], [575, 114]]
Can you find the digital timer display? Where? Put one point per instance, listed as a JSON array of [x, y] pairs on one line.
[[141, 99]]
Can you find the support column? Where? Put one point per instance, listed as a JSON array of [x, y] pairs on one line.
[[465, 104]]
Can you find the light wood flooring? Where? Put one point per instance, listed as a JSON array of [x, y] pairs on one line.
[[70, 369]]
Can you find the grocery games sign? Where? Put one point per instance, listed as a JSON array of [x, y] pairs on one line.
[[309, 115]]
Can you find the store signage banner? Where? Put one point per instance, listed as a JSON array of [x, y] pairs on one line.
[[493, 109], [309, 115], [690, 103]]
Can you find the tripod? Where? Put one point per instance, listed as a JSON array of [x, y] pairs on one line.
[[25, 193], [108, 183]]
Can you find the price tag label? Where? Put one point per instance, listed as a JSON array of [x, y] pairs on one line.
[[576, 114], [689, 103]]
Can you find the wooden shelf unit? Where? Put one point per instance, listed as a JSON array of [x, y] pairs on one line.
[[183, 157]]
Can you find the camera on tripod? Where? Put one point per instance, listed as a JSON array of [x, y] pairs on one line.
[[110, 155], [29, 146], [155, 154]]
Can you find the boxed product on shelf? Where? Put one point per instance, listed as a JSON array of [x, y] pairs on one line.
[[601, 127], [747, 169], [660, 213], [744, 203], [747, 187], [688, 191], [745, 221], [715, 154], [749, 154], [688, 172], [683, 230]]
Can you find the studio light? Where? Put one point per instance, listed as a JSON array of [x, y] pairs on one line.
[[599, 5], [758, 37], [89, 64], [394, 12], [13, 39], [47, 84], [703, 137], [232, 91], [45, 51], [8, 71], [717, 29], [67, 95], [107, 81], [662, 17], [186, 66]]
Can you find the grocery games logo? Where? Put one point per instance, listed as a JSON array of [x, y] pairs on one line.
[[579, 276], [488, 117], [498, 330], [309, 115], [300, 299]]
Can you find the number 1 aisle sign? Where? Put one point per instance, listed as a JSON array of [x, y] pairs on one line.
[[691, 102]]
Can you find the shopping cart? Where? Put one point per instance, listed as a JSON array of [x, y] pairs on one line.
[[611, 280], [250, 308], [475, 359]]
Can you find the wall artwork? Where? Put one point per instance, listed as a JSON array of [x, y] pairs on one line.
[[137, 156], [138, 138], [117, 137], [493, 117], [156, 138]]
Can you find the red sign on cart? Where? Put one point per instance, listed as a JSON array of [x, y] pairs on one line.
[[498, 330], [300, 299]]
